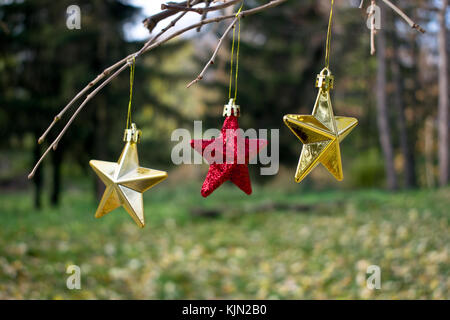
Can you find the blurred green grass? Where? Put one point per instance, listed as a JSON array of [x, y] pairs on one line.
[[318, 254]]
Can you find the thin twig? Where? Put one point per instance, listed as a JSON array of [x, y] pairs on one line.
[[99, 77], [411, 23], [213, 57], [232, 24], [372, 28], [110, 69], [54, 145], [205, 14], [371, 15], [149, 45], [127, 60], [105, 73], [164, 30], [176, 6], [89, 96], [271, 4], [151, 22]]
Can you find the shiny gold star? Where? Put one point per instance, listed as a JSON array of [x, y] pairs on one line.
[[320, 133], [125, 180]]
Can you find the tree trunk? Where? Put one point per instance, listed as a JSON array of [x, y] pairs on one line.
[[56, 167], [37, 179], [430, 128], [101, 116], [443, 113], [408, 156], [382, 113], [100, 138]]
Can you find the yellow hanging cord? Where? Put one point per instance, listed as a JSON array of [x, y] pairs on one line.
[[328, 45], [132, 66], [237, 55]]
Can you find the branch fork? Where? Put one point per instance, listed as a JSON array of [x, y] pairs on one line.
[[371, 15], [169, 9], [114, 70]]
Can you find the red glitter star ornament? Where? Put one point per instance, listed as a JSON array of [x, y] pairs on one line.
[[229, 154]]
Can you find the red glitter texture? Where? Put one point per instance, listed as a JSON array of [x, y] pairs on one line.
[[233, 164]]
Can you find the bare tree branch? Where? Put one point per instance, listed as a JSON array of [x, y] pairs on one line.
[[204, 15], [213, 57], [177, 6], [123, 63], [151, 22], [107, 72], [371, 15], [232, 24], [372, 28], [411, 23], [152, 43]]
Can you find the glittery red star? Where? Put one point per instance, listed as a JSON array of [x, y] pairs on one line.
[[234, 156]]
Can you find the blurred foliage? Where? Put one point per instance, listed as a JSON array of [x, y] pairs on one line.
[[44, 64], [323, 253], [367, 169]]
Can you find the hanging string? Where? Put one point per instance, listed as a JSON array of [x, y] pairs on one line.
[[328, 45], [237, 55], [132, 66]]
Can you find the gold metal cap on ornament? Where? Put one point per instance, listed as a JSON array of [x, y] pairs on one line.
[[132, 135], [325, 80], [231, 109]]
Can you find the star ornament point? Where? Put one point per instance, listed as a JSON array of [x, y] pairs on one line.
[[125, 183], [321, 134]]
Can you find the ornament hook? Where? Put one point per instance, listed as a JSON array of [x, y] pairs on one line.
[[231, 109], [132, 135], [325, 80]]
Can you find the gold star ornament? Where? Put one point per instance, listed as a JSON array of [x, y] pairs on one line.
[[125, 180], [320, 132]]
